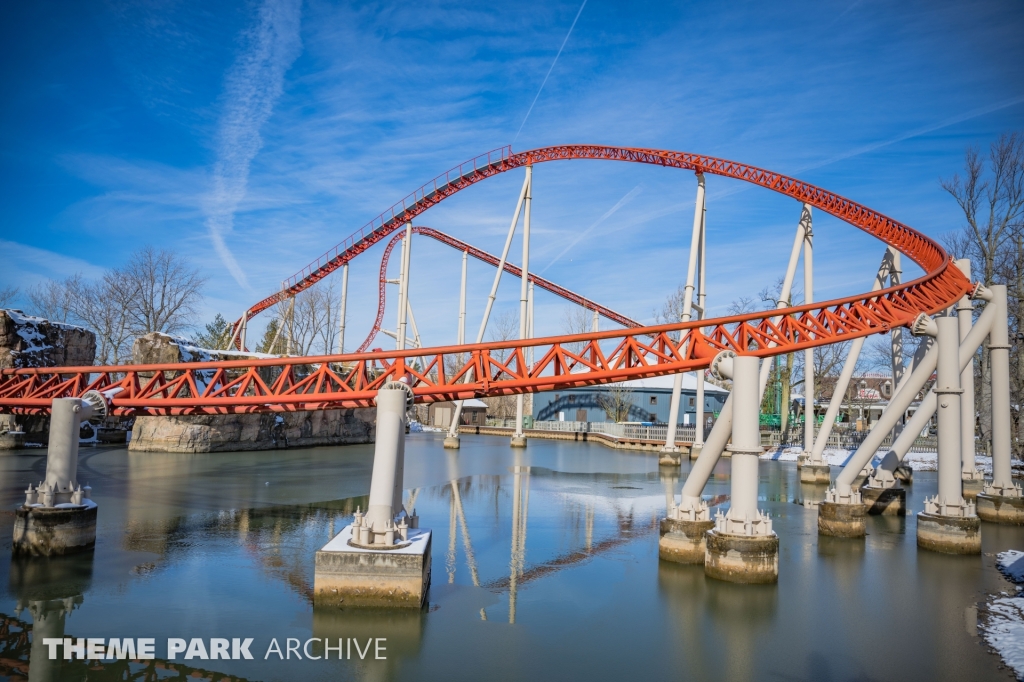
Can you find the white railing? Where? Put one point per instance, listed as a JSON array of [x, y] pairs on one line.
[[838, 439]]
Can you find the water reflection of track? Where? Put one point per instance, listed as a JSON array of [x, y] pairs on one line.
[[15, 648]]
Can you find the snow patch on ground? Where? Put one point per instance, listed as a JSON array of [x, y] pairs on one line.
[[1011, 564], [832, 457], [1003, 629], [1002, 618]]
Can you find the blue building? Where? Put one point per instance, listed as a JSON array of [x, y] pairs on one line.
[[648, 401]]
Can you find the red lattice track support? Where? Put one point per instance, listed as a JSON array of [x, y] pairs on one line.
[[499, 368]]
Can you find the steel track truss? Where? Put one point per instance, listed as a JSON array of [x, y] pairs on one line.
[[499, 368]]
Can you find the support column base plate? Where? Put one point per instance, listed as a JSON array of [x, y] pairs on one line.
[[949, 534], [842, 520], [1000, 509], [347, 576], [742, 558], [683, 541], [815, 473], [50, 531], [885, 501]]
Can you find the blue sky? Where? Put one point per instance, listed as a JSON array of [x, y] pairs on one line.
[[251, 137]]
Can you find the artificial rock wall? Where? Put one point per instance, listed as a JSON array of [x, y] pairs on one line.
[[235, 432], [27, 341]]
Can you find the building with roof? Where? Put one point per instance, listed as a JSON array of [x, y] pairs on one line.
[[474, 412], [639, 400]]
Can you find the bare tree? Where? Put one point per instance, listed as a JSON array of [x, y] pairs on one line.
[[504, 327], [58, 301], [991, 195], [576, 320], [164, 291], [7, 296], [617, 402]]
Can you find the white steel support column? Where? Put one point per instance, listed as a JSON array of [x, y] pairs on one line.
[[529, 328], [947, 391], [452, 441], [403, 287], [743, 517], [896, 337], [518, 438], [388, 450], [691, 506], [342, 312], [884, 475], [808, 353], [698, 434], [850, 364], [241, 334], [965, 318], [691, 272], [999, 348], [462, 301]]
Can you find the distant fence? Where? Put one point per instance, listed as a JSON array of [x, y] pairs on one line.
[[838, 439]]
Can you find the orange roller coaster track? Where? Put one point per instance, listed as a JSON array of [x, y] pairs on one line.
[[500, 368], [490, 259]]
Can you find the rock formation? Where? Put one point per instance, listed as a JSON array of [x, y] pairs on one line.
[[233, 432], [27, 341]]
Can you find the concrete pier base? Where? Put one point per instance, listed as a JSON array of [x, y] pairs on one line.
[[949, 534], [670, 457], [742, 558], [815, 473], [695, 451], [999, 509], [972, 487], [49, 531], [349, 576], [518, 441], [884, 501], [452, 443], [842, 520], [683, 541]]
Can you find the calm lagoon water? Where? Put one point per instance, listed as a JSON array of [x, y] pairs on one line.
[[545, 567]]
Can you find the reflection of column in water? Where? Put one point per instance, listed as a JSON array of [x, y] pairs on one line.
[[412, 500], [516, 490], [520, 512], [741, 611], [590, 525], [50, 587], [669, 480], [403, 629], [450, 558], [466, 544], [685, 590]]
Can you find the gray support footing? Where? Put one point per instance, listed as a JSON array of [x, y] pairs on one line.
[[841, 520], [1000, 509], [949, 534], [742, 558], [695, 451], [452, 443], [885, 501], [48, 531], [972, 487], [518, 441], [351, 576], [683, 541], [815, 473]]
